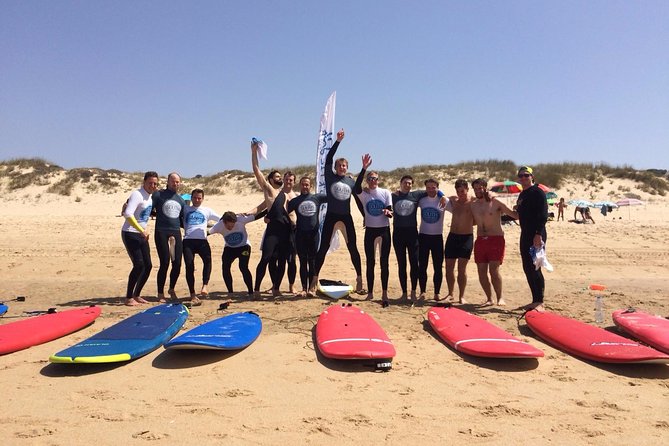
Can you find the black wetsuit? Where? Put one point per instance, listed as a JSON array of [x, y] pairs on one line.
[[405, 235], [533, 214], [276, 244], [306, 207], [339, 190], [169, 208]]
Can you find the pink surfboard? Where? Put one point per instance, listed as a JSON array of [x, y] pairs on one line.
[[347, 332], [37, 330], [647, 328], [475, 336], [590, 342]]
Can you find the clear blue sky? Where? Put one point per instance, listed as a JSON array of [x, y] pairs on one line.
[[184, 85]]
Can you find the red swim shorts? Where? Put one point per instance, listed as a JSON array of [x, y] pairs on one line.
[[489, 249]]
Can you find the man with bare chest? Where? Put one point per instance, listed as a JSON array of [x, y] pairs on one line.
[[460, 240], [489, 247]]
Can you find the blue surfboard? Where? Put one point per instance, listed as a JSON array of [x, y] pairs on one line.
[[131, 338], [232, 332], [3, 309]]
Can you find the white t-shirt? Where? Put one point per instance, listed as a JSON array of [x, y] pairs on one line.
[[237, 236], [195, 221], [374, 201], [431, 216], [139, 205]]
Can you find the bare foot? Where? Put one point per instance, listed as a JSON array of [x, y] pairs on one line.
[[535, 306], [291, 288], [172, 294], [161, 298], [370, 296], [311, 293], [413, 295], [501, 303], [358, 285], [489, 302], [421, 296], [276, 292], [384, 295], [404, 296], [463, 301], [303, 293], [193, 296], [195, 301], [437, 297], [384, 303], [140, 300], [204, 291], [131, 302], [256, 294]]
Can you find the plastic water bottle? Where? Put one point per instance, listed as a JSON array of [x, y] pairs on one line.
[[599, 309]]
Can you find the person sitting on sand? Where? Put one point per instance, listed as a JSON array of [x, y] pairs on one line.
[[489, 246], [135, 237], [195, 242]]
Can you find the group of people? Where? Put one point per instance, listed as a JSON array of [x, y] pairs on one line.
[[294, 230]]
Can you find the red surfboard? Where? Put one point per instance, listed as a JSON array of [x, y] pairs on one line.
[[647, 328], [475, 336], [589, 342], [37, 330], [346, 332]]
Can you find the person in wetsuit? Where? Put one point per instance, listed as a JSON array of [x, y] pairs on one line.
[[339, 187], [533, 214], [135, 236], [169, 219]]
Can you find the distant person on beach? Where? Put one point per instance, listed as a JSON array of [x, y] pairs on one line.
[[377, 204], [460, 240], [561, 207], [431, 238], [579, 210], [195, 242], [490, 244], [587, 216], [306, 207], [339, 187], [405, 232], [237, 247], [533, 213], [169, 221], [135, 236], [276, 242]]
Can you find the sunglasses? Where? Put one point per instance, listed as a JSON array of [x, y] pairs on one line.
[[372, 178], [524, 175]]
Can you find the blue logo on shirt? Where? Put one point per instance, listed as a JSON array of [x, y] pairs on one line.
[[375, 207], [234, 238], [195, 218], [430, 215], [145, 214]]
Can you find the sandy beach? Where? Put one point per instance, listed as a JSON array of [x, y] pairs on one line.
[[63, 253]]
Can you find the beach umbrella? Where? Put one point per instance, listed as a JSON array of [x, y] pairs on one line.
[[506, 187], [550, 195], [629, 202], [601, 204], [581, 203], [544, 188]]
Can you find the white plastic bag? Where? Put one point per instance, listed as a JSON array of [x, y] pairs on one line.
[[539, 258]]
